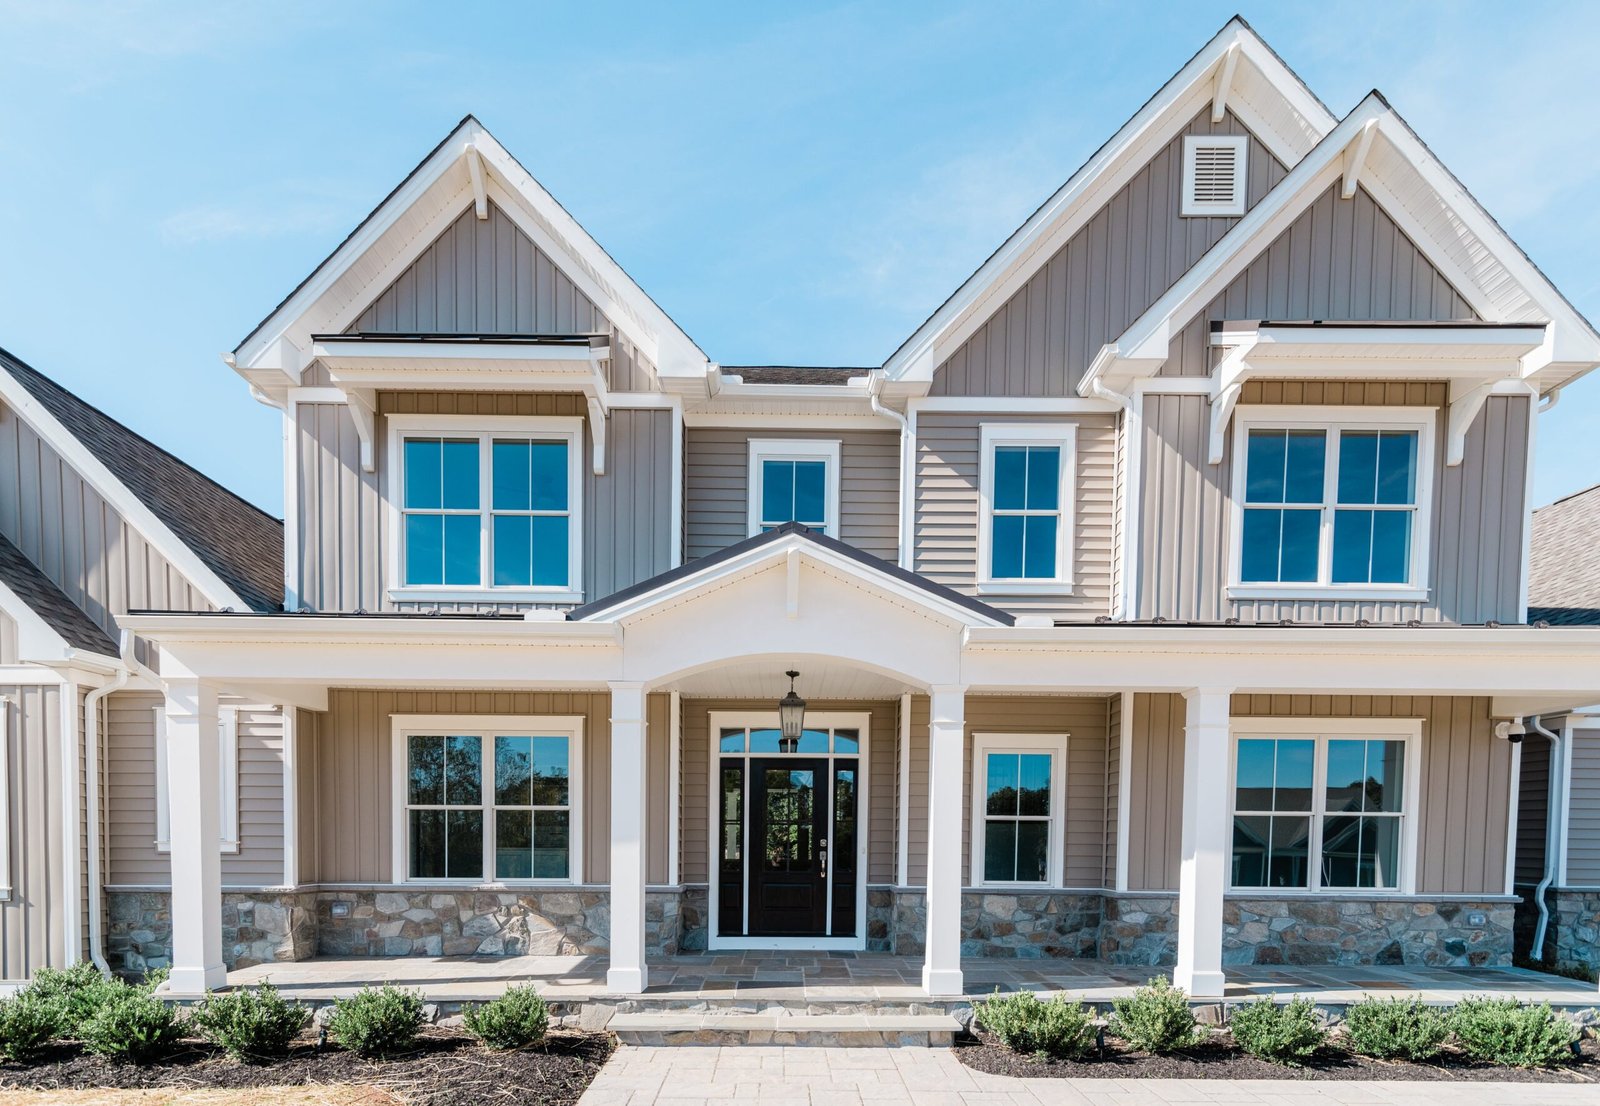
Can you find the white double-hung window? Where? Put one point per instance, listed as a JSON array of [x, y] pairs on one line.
[[485, 506], [1026, 502], [794, 481], [1324, 804], [487, 799], [1018, 809], [1334, 506]]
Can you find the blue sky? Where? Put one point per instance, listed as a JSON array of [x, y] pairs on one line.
[[793, 183]]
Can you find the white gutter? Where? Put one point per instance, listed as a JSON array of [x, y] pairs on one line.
[[902, 537], [1551, 818]]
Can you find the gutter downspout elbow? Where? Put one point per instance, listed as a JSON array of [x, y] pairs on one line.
[[1101, 391], [905, 474], [1555, 788], [91, 751], [1551, 398]]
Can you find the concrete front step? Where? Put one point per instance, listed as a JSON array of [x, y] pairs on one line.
[[836, 1030]]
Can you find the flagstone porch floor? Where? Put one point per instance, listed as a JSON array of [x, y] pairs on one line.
[[755, 980]]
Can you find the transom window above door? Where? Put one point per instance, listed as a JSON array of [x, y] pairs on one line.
[[1340, 508], [1026, 498], [493, 511], [794, 481]]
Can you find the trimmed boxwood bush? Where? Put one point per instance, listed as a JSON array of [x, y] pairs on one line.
[[1026, 1024], [516, 1019], [27, 1022], [250, 1025], [1156, 1019], [72, 995], [377, 1023], [1506, 1032], [131, 1025], [1396, 1029], [1282, 1034]]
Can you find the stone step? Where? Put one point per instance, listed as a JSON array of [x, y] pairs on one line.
[[837, 1030]]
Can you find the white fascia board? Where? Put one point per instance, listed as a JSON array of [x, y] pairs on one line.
[[114, 491], [1465, 353], [356, 630], [1124, 154]]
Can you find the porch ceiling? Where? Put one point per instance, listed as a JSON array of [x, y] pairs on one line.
[[820, 678]]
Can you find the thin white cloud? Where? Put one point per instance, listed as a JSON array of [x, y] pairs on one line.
[[219, 222]]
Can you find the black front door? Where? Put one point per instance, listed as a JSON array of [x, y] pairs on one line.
[[788, 847]]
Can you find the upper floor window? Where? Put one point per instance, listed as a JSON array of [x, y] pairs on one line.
[[1025, 528], [1340, 507], [794, 481], [494, 510]]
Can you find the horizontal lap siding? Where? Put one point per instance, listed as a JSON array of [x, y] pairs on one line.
[[485, 276], [717, 475], [947, 510], [1475, 544], [628, 526], [31, 921], [1583, 830], [1040, 341]]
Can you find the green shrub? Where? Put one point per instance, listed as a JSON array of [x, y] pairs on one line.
[[1282, 1034], [1504, 1031], [27, 1022], [377, 1023], [516, 1019], [73, 995], [131, 1025], [1396, 1029], [250, 1025], [1156, 1018], [1026, 1024]]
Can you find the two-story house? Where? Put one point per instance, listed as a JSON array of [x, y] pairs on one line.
[[1161, 599]]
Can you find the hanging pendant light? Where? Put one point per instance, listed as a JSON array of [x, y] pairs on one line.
[[791, 717]]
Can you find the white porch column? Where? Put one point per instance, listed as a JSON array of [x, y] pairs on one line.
[[1204, 875], [195, 829], [626, 973], [941, 963]]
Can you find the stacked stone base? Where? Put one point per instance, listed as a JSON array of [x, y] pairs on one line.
[[1575, 926]]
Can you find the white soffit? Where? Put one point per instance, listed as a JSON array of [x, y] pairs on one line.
[[1260, 89]]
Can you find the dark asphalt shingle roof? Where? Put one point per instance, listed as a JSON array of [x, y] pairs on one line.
[[1564, 573], [795, 374], [50, 603], [235, 539]]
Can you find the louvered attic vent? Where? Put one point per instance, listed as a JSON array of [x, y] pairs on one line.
[[1213, 174]]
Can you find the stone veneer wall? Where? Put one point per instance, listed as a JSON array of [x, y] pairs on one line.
[[1575, 928], [258, 927]]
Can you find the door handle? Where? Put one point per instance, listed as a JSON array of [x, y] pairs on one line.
[[824, 857]]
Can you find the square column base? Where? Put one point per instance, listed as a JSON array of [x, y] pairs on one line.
[[1200, 984], [196, 981], [627, 981], [942, 982]]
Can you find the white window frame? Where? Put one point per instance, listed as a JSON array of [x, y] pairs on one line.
[[227, 783], [1063, 435], [1192, 144], [1321, 731], [486, 727], [485, 429], [794, 449], [1334, 420], [1056, 745]]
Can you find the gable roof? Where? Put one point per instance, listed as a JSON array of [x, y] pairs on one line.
[[1236, 66], [468, 168], [233, 549], [50, 603], [1564, 565]]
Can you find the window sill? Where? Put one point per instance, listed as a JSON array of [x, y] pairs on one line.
[[1291, 592], [1062, 588], [484, 595], [1307, 893], [422, 882]]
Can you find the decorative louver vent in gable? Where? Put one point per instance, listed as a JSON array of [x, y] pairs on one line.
[[1213, 174]]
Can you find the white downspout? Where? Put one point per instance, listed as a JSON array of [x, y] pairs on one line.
[[91, 752], [905, 490], [1552, 809]]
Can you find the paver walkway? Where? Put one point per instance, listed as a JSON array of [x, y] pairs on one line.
[[681, 1076]]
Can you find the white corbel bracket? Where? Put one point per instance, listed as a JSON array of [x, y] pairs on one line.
[[1355, 156], [480, 192], [1227, 383], [1465, 403], [363, 405], [597, 434], [1219, 91]]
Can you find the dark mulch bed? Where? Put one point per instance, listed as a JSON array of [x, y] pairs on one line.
[[1220, 1059], [448, 1068]]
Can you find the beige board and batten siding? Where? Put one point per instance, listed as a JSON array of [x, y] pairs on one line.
[[485, 276], [31, 920], [1084, 719], [130, 795], [949, 470], [716, 486], [1475, 541], [1040, 342], [1465, 785], [1533, 807], [1583, 812], [343, 558], [1114, 786], [352, 790], [882, 813], [76, 538]]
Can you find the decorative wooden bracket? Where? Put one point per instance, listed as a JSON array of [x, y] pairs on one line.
[[480, 192], [1464, 408], [1219, 91], [363, 405], [1227, 384], [1355, 156], [597, 434]]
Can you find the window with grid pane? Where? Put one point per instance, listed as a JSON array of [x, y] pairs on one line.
[[793, 491], [1017, 817], [444, 806], [442, 517], [1025, 522]]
